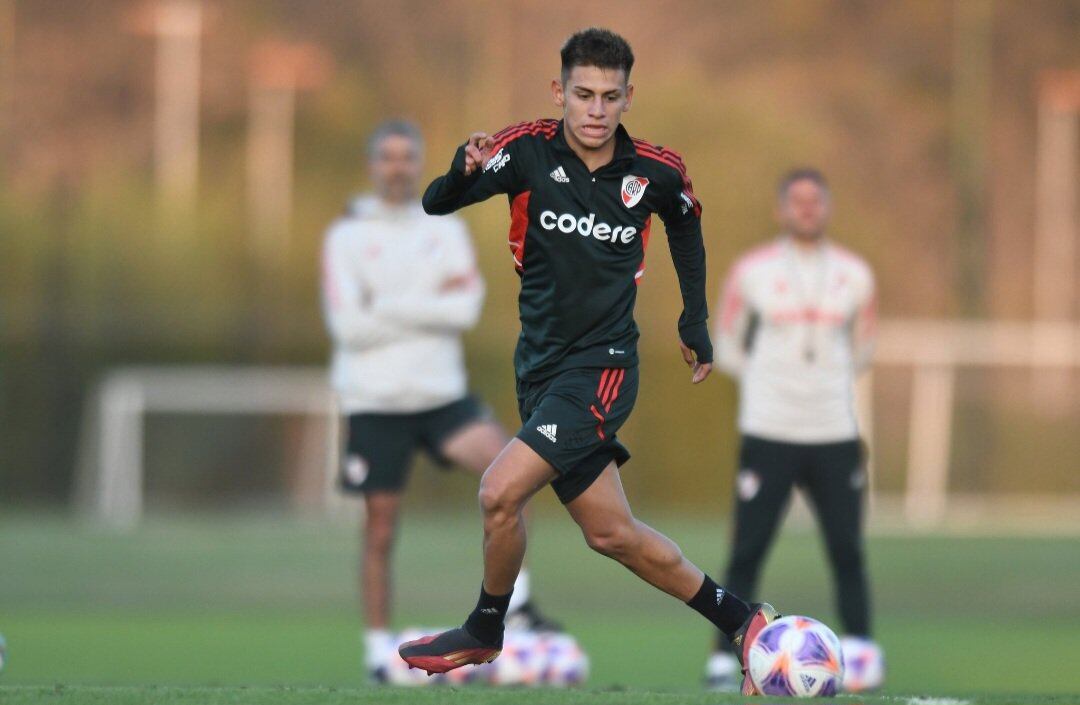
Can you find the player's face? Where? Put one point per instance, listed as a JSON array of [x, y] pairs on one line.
[[804, 210], [593, 101], [395, 167]]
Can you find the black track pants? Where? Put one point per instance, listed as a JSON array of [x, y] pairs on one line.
[[833, 477]]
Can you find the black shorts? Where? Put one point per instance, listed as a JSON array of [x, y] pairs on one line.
[[570, 419], [380, 447]]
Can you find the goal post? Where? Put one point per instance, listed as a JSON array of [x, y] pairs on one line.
[[935, 350], [110, 474]]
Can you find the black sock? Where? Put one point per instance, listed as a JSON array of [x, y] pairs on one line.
[[486, 621], [720, 607]]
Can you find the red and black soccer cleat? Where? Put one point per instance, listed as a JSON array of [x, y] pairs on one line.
[[444, 652], [763, 613]]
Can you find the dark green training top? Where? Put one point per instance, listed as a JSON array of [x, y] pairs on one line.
[[579, 238]]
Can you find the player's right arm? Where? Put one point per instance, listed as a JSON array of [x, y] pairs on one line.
[[482, 167], [732, 323], [349, 318]]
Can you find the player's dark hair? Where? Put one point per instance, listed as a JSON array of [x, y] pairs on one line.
[[597, 47], [804, 173], [397, 127]]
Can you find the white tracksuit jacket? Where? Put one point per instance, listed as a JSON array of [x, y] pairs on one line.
[[795, 327], [399, 288]]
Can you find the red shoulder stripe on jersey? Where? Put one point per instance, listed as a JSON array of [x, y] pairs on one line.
[[504, 137], [672, 159], [519, 224], [507, 130], [669, 156], [544, 123], [666, 156], [511, 132]]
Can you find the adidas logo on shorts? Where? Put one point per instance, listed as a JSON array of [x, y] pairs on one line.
[[548, 430]]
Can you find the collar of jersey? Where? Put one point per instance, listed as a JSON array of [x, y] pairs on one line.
[[624, 148]]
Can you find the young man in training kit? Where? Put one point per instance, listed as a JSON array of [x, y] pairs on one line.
[[796, 325], [399, 289], [582, 193]]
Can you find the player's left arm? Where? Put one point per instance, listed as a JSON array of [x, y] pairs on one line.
[[681, 212], [456, 303], [864, 324]]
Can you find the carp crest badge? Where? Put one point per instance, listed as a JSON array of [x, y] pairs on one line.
[[633, 188]]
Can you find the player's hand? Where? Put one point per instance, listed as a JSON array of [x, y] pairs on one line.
[[476, 151], [700, 370]]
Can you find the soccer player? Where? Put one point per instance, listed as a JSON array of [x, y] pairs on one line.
[[796, 326], [581, 193], [399, 288]]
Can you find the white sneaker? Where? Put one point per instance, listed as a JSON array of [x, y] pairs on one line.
[[378, 647], [722, 673]]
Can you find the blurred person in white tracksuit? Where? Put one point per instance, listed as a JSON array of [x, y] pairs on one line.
[[795, 327], [399, 289]]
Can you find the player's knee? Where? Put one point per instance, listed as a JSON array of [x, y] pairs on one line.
[[497, 503], [612, 541]]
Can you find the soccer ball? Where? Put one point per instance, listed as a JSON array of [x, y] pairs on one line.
[[864, 664], [521, 661], [796, 656], [567, 665]]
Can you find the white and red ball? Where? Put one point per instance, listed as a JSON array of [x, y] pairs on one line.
[[864, 664], [528, 659], [796, 656], [566, 664], [521, 662]]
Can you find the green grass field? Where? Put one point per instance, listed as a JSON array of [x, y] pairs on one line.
[[252, 609]]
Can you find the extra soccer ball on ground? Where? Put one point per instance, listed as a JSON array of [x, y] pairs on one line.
[[864, 665], [531, 659], [797, 656]]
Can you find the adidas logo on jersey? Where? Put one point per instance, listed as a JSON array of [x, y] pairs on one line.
[[560, 176], [548, 430]]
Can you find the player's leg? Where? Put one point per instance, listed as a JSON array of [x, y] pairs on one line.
[[379, 534], [568, 440], [466, 435], [611, 529], [475, 445], [516, 474], [378, 452], [763, 482], [835, 485]]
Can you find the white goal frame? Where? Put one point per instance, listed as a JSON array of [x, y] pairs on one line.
[[935, 350], [110, 473]]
